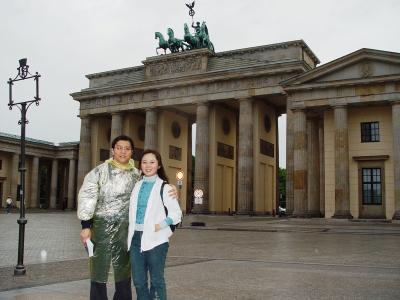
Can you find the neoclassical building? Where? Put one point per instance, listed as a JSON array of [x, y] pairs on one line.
[[50, 172], [343, 138], [343, 127], [235, 99]]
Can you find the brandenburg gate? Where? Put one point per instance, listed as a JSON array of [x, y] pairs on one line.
[[235, 99]]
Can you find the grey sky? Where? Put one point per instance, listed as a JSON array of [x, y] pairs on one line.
[[64, 40]]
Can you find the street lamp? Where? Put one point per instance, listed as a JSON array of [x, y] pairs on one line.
[[23, 106]]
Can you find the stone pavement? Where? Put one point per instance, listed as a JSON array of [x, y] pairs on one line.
[[232, 257]]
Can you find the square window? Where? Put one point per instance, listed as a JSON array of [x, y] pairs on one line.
[[370, 132]]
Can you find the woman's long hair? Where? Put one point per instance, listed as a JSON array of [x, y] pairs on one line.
[[160, 171]]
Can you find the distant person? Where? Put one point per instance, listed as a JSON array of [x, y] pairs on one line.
[[149, 229], [9, 204], [103, 204]]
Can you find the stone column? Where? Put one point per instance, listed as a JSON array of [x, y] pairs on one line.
[[85, 152], [299, 163], [14, 177], [342, 194], [201, 174], [321, 167], [71, 183], [151, 138], [116, 125], [245, 157], [34, 201], [189, 179], [289, 162], [396, 157], [53, 185], [313, 180]]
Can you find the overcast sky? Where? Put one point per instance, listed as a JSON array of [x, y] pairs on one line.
[[65, 40]]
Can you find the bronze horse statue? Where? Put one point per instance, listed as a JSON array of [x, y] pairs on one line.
[[200, 40], [162, 43], [192, 40], [174, 43]]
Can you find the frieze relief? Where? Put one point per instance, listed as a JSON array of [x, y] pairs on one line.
[[183, 91], [176, 66]]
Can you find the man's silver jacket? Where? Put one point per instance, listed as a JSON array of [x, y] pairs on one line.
[[105, 191]]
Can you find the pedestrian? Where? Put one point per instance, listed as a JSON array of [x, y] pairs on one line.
[[151, 211], [9, 204], [103, 204]]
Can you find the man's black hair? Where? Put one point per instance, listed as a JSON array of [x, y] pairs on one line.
[[122, 138]]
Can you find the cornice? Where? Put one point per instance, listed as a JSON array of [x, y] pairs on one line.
[[151, 59], [283, 45], [354, 57], [275, 68], [342, 83]]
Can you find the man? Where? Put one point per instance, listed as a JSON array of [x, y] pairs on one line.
[[103, 206], [8, 204]]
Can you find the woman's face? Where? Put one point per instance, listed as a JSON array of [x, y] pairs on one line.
[[149, 165]]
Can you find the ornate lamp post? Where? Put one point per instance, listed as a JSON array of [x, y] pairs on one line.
[[23, 72]]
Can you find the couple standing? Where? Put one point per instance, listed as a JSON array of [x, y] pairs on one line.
[[123, 214]]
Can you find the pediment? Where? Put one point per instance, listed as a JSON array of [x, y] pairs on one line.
[[362, 64]]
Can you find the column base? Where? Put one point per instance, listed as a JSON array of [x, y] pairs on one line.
[[200, 210], [396, 215], [244, 213], [342, 215], [298, 214]]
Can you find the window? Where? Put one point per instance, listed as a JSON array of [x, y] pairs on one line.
[[1, 165], [371, 186], [369, 132]]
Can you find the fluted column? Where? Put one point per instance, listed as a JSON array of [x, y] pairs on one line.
[[299, 163], [34, 201], [53, 184], [245, 157], [313, 181], [84, 164], [289, 161], [151, 138], [71, 183], [14, 177], [321, 167], [116, 125], [202, 156], [396, 157], [342, 194]]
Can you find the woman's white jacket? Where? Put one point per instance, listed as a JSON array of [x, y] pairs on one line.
[[155, 214]]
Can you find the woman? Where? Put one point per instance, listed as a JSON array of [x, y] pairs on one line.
[[149, 230]]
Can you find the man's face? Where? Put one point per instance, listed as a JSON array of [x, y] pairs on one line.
[[122, 152]]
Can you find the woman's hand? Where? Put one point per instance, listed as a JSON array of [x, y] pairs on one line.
[[157, 227], [173, 193]]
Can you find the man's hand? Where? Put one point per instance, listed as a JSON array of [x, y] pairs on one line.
[[85, 234], [157, 227], [174, 192]]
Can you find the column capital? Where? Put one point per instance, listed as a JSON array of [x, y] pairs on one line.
[[151, 109], [245, 99], [395, 102], [298, 109], [84, 117], [337, 106], [116, 113], [203, 103]]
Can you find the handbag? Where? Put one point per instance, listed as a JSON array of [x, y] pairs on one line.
[[172, 226]]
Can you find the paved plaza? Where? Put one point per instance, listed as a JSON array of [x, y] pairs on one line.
[[230, 258]]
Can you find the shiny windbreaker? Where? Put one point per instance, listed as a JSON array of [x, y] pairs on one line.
[[104, 198]]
